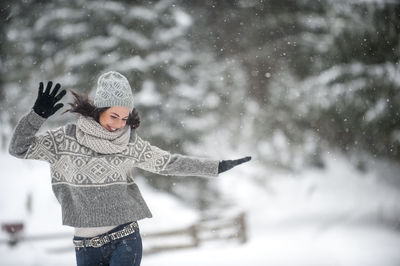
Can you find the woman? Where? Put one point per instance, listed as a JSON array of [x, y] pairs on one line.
[[91, 164]]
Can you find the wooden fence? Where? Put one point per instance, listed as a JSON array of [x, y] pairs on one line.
[[206, 230], [210, 229]]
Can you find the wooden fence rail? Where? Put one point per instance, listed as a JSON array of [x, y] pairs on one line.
[[203, 231], [190, 237]]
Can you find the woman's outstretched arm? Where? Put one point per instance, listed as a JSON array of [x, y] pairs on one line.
[[162, 162]]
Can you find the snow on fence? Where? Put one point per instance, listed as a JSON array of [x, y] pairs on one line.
[[210, 229]]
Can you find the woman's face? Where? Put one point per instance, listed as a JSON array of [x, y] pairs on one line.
[[114, 118]]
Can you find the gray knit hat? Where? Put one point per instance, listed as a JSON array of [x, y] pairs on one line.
[[113, 89]]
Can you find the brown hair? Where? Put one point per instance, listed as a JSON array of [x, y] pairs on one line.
[[82, 105]]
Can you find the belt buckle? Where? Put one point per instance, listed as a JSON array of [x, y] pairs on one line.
[[96, 242]]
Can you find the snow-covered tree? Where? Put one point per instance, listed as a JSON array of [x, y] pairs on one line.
[[316, 73], [351, 94], [254, 41]]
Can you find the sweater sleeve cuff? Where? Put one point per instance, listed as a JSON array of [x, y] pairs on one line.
[[215, 164], [35, 120]]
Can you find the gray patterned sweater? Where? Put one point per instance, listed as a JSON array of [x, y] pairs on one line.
[[96, 189]]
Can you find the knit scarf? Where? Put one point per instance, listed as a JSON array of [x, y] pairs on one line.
[[91, 134]]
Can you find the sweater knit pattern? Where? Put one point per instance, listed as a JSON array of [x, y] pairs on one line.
[[78, 165], [96, 189]]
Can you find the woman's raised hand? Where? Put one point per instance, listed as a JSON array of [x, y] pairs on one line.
[[45, 104], [228, 164]]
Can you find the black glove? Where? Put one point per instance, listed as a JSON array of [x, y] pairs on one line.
[[45, 102], [228, 164]]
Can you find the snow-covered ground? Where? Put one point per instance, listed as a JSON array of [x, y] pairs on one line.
[[334, 216]]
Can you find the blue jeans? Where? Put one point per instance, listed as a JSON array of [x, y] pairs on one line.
[[126, 251]]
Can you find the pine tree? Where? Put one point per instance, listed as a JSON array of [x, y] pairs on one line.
[[315, 72], [353, 82], [255, 41]]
